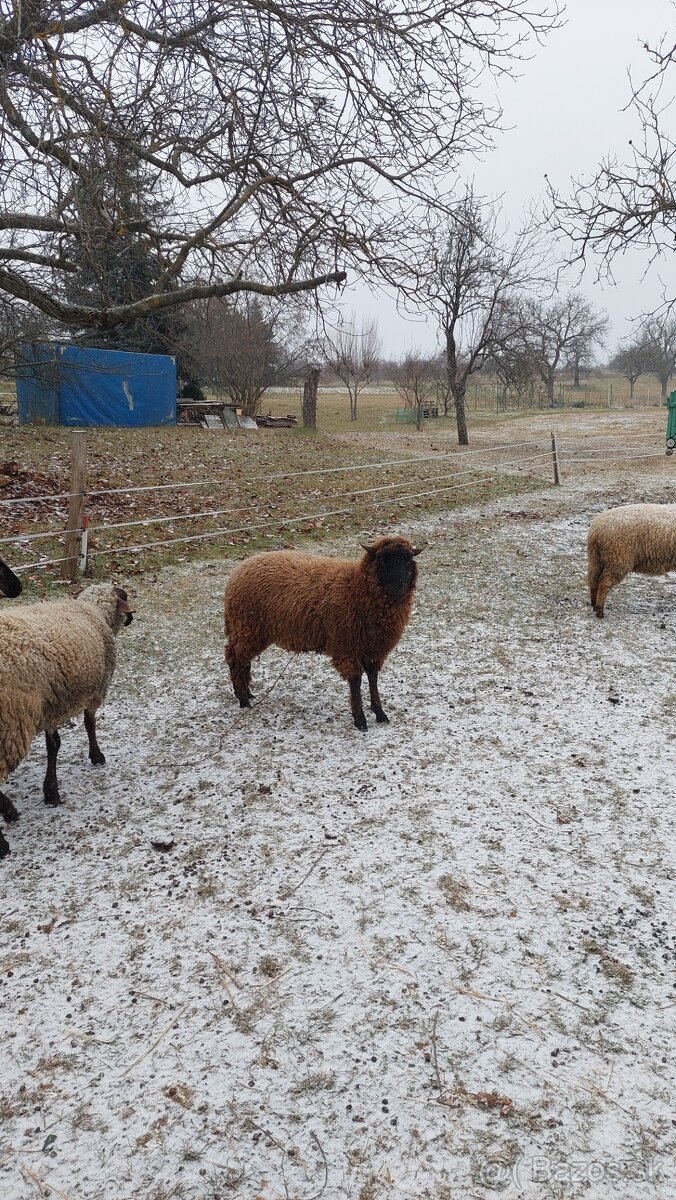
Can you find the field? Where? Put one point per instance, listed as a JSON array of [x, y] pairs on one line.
[[223, 493], [432, 961], [378, 405]]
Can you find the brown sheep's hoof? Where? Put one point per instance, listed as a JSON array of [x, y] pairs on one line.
[[52, 797], [245, 704], [4, 846], [360, 723], [598, 611], [381, 717], [98, 758]]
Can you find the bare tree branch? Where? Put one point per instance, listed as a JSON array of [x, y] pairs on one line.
[[283, 144], [630, 203]]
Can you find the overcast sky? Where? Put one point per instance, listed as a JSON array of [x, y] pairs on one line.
[[561, 117]]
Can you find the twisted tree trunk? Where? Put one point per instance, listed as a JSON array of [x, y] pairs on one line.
[[310, 399]]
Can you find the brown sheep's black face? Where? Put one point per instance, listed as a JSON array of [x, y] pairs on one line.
[[396, 570]]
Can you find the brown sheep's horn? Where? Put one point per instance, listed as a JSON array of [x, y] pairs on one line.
[[370, 550], [418, 551]]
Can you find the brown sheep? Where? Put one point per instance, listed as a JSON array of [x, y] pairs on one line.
[[631, 537], [353, 610]]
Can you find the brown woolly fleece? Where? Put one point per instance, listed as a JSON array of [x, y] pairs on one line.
[[56, 661], [304, 602], [631, 537]]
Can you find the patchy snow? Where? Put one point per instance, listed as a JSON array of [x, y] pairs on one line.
[[432, 961]]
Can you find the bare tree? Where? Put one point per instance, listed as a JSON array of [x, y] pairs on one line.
[[471, 280], [631, 203], [551, 333], [659, 332], [353, 354], [284, 145], [633, 360], [442, 388], [241, 348], [513, 364], [593, 330], [414, 379]]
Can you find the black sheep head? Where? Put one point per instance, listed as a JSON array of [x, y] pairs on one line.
[[123, 608], [10, 585], [395, 568]]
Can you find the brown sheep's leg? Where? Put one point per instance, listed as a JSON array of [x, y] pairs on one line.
[[4, 846], [240, 674], [7, 809], [248, 682], [95, 754], [50, 786], [376, 706], [355, 702]]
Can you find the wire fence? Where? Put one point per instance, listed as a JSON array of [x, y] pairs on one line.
[[428, 480], [495, 397]]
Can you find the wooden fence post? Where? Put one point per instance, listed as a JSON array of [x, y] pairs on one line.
[[78, 484], [555, 457]]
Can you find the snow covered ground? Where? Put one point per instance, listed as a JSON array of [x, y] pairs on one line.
[[432, 961]]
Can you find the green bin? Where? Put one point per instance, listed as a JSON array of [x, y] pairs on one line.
[[671, 423]]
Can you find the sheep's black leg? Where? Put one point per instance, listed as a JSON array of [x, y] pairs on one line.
[[356, 704], [248, 682], [4, 845], [7, 809], [50, 786], [376, 706], [95, 754]]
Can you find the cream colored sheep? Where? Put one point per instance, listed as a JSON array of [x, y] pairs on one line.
[[56, 661], [631, 537]]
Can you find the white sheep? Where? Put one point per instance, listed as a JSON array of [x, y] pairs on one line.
[[56, 661], [631, 537]]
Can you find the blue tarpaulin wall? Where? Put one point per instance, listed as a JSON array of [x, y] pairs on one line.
[[62, 384]]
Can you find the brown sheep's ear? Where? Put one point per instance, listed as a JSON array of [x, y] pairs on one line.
[[370, 550]]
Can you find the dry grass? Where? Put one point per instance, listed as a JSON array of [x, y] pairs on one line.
[[455, 892], [378, 405], [277, 488]]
